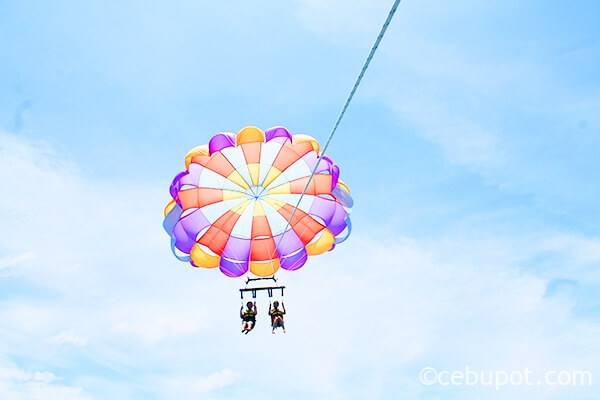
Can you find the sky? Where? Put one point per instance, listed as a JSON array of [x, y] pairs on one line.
[[471, 149]]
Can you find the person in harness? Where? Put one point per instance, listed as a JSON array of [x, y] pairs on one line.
[[277, 315], [248, 317]]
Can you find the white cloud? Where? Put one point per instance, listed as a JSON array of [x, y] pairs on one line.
[[462, 140], [14, 374], [68, 338], [215, 381], [45, 377], [17, 260], [154, 325], [186, 386], [18, 384]]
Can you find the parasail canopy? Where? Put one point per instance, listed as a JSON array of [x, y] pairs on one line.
[[231, 206]]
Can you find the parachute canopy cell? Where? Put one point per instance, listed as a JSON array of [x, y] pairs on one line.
[[231, 205]]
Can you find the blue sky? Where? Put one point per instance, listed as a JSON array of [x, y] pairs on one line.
[[470, 148]]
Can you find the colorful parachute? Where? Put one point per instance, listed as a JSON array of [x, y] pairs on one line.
[[232, 203]]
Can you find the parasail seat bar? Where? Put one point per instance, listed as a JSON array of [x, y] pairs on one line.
[[268, 278], [269, 290]]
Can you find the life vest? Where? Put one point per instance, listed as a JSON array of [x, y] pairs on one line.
[[249, 314], [276, 312]]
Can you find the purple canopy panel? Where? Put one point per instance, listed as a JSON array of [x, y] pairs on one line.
[[328, 165], [338, 222], [194, 223], [233, 269], [171, 219], [221, 141], [237, 249], [324, 165], [193, 176], [343, 235], [289, 244], [182, 240], [277, 132], [342, 197], [334, 170], [294, 261], [176, 185], [323, 208], [310, 159]]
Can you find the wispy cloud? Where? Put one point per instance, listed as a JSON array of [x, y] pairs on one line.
[[17, 260], [204, 384], [68, 338], [18, 384]]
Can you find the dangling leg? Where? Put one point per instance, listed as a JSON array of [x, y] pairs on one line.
[[278, 322]]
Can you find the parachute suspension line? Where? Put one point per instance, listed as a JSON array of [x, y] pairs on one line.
[[342, 112]]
